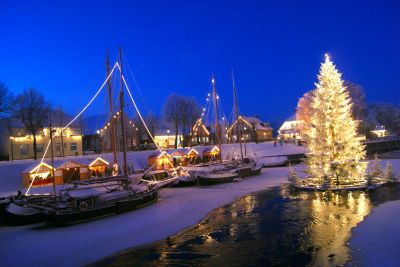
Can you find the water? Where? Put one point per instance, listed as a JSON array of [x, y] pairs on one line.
[[280, 227]]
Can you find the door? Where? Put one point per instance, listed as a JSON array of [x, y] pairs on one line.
[[71, 175]]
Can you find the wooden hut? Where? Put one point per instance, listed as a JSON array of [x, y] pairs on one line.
[[98, 167], [190, 157], [178, 156], [211, 154], [160, 161], [39, 173], [71, 171]]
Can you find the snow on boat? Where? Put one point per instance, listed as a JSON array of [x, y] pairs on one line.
[[22, 210], [218, 176], [160, 178], [93, 202]]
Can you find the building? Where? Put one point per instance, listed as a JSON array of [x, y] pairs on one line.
[[200, 135], [165, 138], [380, 131], [66, 143], [249, 129], [291, 129]]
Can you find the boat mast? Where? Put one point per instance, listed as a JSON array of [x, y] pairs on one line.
[[217, 128], [236, 111], [112, 124], [121, 102], [52, 160]]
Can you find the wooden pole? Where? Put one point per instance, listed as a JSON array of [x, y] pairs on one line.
[[112, 124], [52, 161], [217, 128], [121, 101]]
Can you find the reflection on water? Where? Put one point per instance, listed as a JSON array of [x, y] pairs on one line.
[[276, 227]]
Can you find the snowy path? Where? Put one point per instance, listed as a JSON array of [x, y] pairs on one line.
[[375, 242], [80, 244]]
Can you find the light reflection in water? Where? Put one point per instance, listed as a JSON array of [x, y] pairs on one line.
[[276, 227]]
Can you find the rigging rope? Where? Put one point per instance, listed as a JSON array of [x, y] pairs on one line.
[[72, 121], [144, 124]]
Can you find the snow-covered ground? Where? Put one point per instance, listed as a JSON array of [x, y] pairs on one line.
[[80, 244], [177, 209], [11, 179]]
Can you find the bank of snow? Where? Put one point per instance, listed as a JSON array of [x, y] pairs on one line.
[[11, 179], [375, 242], [80, 244]]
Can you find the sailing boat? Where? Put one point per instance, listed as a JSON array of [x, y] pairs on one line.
[[221, 172], [247, 166], [87, 199]]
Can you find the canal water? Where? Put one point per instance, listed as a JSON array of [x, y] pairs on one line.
[[280, 227]]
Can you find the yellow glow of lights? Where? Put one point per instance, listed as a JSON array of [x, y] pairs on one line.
[[38, 167], [98, 159]]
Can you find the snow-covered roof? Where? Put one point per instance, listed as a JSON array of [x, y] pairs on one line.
[[157, 154], [258, 124], [35, 165]]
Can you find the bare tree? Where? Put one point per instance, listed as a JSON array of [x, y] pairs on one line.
[[33, 110], [173, 113], [59, 118], [191, 111], [6, 100], [182, 112], [152, 123], [358, 97], [304, 109]]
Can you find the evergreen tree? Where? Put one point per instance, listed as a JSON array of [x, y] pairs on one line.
[[389, 175], [335, 149], [376, 168]]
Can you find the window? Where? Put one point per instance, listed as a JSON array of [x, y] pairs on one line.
[[72, 146], [39, 148], [24, 149], [58, 147]]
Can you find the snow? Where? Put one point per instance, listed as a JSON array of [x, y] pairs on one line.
[[11, 179], [178, 208]]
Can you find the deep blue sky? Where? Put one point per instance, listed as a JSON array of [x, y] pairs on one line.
[[275, 48]]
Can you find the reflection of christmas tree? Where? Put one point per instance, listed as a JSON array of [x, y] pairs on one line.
[[292, 176], [335, 150]]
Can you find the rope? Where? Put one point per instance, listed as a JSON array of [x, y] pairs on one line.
[[141, 118], [72, 121]]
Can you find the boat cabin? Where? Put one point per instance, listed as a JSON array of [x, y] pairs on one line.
[[211, 154], [160, 161]]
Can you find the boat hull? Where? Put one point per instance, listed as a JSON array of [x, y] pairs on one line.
[[24, 215], [216, 178], [121, 206]]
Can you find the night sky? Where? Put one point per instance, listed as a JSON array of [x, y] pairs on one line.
[[274, 47]]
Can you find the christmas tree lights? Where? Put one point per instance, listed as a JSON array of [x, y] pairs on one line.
[[335, 149]]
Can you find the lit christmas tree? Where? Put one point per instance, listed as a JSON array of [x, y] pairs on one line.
[[335, 149]]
